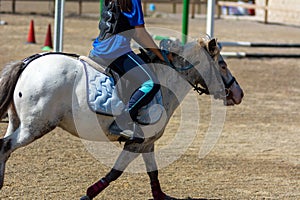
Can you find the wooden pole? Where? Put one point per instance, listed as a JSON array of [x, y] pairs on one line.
[[193, 9], [266, 11]]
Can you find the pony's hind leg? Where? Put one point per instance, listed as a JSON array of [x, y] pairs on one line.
[[13, 121], [5, 143], [20, 137], [17, 137]]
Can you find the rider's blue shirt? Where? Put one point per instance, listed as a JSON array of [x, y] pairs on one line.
[[118, 44]]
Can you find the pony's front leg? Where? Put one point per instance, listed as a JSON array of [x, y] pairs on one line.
[[124, 159], [152, 171]]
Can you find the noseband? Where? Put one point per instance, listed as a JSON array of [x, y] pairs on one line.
[[204, 90], [228, 85]]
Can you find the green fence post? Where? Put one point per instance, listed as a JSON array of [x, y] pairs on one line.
[[100, 7], [185, 20]]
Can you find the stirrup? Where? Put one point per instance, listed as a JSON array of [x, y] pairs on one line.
[[114, 129], [126, 135], [85, 198]]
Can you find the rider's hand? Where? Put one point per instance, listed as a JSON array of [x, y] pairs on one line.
[[170, 57]]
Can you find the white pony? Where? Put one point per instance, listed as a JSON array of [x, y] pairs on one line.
[[51, 92]]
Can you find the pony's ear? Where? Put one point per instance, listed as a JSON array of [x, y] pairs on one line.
[[212, 48]]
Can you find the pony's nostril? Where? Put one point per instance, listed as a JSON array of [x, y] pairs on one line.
[[223, 64]]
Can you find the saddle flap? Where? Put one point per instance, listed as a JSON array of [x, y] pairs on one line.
[[101, 94]]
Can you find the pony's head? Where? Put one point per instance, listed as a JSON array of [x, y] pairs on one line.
[[232, 94], [205, 69]]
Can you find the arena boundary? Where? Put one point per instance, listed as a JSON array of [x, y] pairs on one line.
[[259, 45], [258, 55]]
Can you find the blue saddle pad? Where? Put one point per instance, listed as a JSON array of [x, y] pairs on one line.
[[102, 98]]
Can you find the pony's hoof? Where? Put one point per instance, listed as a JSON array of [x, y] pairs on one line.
[[85, 198], [161, 196]]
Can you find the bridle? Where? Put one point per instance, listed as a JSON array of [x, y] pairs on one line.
[[197, 86]]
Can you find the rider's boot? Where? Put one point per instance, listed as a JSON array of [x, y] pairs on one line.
[[129, 130]]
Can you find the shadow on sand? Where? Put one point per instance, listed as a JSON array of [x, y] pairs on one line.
[[188, 198]]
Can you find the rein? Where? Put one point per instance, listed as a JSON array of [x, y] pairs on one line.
[[200, 90]]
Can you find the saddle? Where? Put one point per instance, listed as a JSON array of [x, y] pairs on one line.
[[103, 97]]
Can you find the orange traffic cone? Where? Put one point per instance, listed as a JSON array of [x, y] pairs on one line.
[[31, 37], [48, 40]]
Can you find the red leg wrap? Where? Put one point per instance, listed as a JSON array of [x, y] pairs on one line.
[[95, 189], [157, 193]]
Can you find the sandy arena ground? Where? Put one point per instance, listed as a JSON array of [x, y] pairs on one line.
[[257, 155]]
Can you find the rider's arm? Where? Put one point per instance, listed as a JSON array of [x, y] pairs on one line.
[[145, 40]]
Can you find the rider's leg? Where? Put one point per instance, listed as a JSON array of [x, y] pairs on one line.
[[143, 87]]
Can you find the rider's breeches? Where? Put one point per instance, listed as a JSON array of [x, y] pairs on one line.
[[143, 84]]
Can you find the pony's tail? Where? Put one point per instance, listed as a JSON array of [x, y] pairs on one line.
[[8, 81]]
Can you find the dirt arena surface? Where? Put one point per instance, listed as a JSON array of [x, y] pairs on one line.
[[256, 157]]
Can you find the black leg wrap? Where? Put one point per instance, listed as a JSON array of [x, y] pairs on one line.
[[157, 193], [153, 175], [113, 175]]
